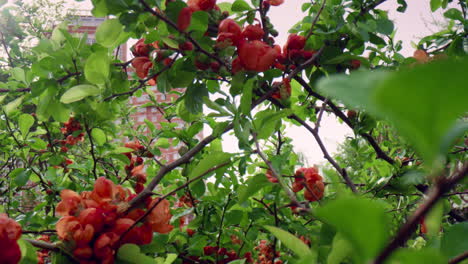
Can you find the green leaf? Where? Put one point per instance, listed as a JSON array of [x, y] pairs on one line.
[[107, 34], [454, 242], [211, 160], [410, 100], [385, 26], [240, 6], [28, 252], [130, 253], [199, 22], [455, 14], [418, 109], [122, 150], [341, 249], [13, 105], [99, 136], [412, 256], [238, 261], [267, 121], [290, 241], [246, 100], [18, 74], [367, 231], [435, 4], [97, 68], [77, 93], [21, 177], [38, 144], [225, 6], [254, 184], [162, 143], [25, 122], [170, 258]]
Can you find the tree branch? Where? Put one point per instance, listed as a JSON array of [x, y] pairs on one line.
[[441, 186]]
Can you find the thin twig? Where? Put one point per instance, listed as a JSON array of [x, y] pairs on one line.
[[316, 19]]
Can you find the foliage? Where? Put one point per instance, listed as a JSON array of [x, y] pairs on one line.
[[87, 185]]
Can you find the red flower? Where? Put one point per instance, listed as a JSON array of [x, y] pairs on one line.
[[295, 42], [276, 2], [257, 55], [10, 232], [315, 191], [253, 32], [236, 66], [140, 49], [205, 5], [184, 19], [229, 33], [270, 176], [142, 66], [160, 216]]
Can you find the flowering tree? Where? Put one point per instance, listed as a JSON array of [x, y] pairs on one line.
[[80, 184]]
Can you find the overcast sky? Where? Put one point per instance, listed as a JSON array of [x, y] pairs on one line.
[[416, 22]]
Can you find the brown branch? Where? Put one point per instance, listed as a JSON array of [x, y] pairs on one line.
[[182, 160], [324, 150], [143, 82], [286, 189], [441, 186], [42, 244], [337, 111], [459, 258], [316, 19], [71, 74]]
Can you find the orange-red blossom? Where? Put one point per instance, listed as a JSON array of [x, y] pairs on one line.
[[93, 223]]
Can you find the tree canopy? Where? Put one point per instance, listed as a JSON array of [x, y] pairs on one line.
[[81, 183]]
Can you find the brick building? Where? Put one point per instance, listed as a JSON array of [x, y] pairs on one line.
[[87, 24]]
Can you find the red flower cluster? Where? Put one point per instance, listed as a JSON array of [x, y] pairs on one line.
[[294, 51], [69, 129], [253, 54], [93, 223], [43, 254], [10, 232], [311, 179], [142, 62], [135, 168], [266, 254]]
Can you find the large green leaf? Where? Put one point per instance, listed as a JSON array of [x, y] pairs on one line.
[[423, 102], [454, 240], [77, 93], [97, 68], [412, 256], [199, 22], [130, 253], [211, 160], [13, 105], [25, 122], [290, 241], [28, 252], [254, 184], [361, 221], [107, 34], [99, 136]]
